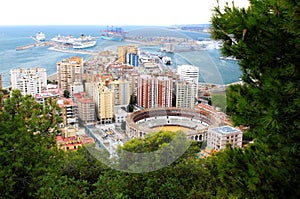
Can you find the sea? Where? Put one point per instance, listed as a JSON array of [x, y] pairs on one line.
[[212, 69]]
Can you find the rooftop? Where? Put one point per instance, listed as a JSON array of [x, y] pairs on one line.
[[226, 130]]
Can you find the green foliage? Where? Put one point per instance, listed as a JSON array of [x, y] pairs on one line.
[[219, 100], [154, 152], [27, 146], [265, 37], [66, 94]]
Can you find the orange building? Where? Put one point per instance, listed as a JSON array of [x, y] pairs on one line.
[[154, 91]]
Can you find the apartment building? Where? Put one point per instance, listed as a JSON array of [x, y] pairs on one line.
[[69, 74], [154, 91], [185, 94], [86, 108], [29, 81], [218, 137]]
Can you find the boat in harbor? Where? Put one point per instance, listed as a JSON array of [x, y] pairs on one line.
[[113, 34], [76, 43], [39, 36]]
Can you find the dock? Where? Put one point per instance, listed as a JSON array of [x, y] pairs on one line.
[[30, 46], [66, 50], [55, 47]]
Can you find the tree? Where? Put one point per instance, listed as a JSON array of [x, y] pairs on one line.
[[27, 145], [219, 100], [66, 94], [265, 37], [172, 181]]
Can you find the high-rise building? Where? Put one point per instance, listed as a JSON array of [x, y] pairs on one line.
[[121, 90], [154, 91], [29, 81], [185, 94], [218, 137], [104, 103], [124, 50], [86, 108], [69, 71], [132, 59], [69, 111], [189, 73]]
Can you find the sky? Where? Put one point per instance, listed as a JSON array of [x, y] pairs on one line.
[[108, 12]]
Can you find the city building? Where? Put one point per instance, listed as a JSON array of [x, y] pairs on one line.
[[86, 108], [69, 111], [69, 71], [29, 81], [76, 87], [51, 92], [133, 78], [154, 91], [71, 140], [189, 73], [124, 50], [104, 98], [121, 90], [120, 114], [218, 137], [185, 94], [132, 59]]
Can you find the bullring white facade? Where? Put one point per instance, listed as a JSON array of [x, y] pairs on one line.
[[199, 123]]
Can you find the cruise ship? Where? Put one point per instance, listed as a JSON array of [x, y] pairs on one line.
[[76, 43], [39, 36]]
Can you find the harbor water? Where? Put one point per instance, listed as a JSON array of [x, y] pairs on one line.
[[212, 68]]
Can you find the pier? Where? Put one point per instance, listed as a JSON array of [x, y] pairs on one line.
[[56, 47], [30, 46], [66, 50]]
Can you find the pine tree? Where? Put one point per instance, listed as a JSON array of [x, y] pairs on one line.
[[265, 37], [27, 144]]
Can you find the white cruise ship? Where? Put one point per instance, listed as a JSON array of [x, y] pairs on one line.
[[76, 43], [39, 36]]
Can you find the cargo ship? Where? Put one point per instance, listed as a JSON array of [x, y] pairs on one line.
[[113, 34]]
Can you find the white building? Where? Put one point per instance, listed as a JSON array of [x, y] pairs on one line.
[[185, 94], [120, 114], [76, 87], [189, 73], [29, 81], [218, 137]]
